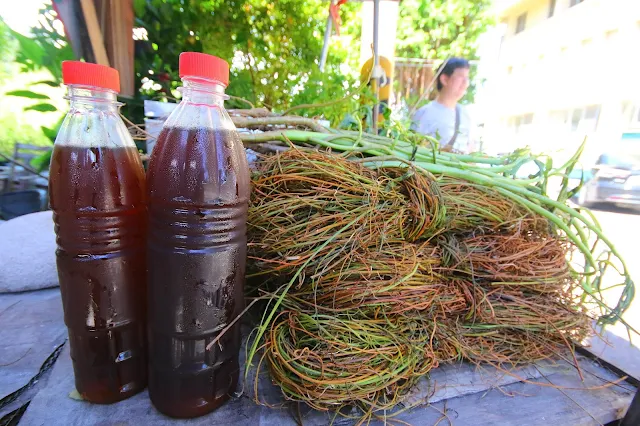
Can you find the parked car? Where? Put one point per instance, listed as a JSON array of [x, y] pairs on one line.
[[615, 180]]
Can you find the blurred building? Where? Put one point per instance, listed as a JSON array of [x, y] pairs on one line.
[[565, 69]]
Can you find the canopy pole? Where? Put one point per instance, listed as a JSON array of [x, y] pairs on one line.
[[376, 64], [325, 44]]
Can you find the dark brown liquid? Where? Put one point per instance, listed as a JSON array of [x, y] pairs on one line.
[[98, 199], [198, 193]]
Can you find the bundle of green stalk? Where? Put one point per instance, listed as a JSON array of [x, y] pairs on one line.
[[384, 260]]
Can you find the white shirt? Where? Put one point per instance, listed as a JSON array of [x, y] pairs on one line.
[[439, 121]]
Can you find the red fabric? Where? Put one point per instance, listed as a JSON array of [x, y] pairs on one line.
[[205, 66], [335, 15], [88, 74], [334, 10]]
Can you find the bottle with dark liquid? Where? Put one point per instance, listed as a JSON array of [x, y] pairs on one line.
[[98, 197], [198, 181]]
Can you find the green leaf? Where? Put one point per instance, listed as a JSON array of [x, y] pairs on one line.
[[44, 48], [29, 52], [44, 107], [138, 7], [27, 94], [50, 133], [48, 83]]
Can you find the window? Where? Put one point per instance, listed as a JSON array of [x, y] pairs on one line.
[[558, 119], [521, 23], [582, 120], [629, 112], [575, 119], [589, 121], [520, 122], [635, 117], [592, 112], [574, 2], [552, 8]]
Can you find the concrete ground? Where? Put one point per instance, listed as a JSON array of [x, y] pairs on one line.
[[622, 227]]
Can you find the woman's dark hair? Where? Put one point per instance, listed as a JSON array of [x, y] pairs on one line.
[[450, 66]]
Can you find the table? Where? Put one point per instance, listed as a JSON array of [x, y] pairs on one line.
[[463, 393]]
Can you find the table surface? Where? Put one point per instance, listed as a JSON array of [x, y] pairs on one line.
[[540, 394]]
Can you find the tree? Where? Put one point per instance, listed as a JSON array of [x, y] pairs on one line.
[[273, 47], [438, 29]]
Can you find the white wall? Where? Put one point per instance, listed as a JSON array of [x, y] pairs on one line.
[[583, 55]]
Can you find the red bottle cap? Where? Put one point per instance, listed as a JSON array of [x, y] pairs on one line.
[[205, 66], [88, 74]]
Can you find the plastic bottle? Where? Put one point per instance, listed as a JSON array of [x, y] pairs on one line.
[[97, 194], [199, 185]]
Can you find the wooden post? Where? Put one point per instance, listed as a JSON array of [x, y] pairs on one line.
[[429, 78], [103, 36], [407, 84], [422, 78], [118, 30], [95, 35], [399, 74], [68, 11]]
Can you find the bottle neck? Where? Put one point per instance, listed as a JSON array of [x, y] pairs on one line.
[[202, 91], [90, 97]]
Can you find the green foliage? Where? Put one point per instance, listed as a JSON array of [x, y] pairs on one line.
[[27, 94], [273, 47], [43, 107], [51, 132], [12, 131], [7, 46], [49, 83], [7, 50], [44, 50], [41, 162], [437, 29], [324, 88], [169, 25]]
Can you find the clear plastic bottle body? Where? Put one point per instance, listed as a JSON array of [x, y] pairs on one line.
[[198, 181], [98, 197]]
